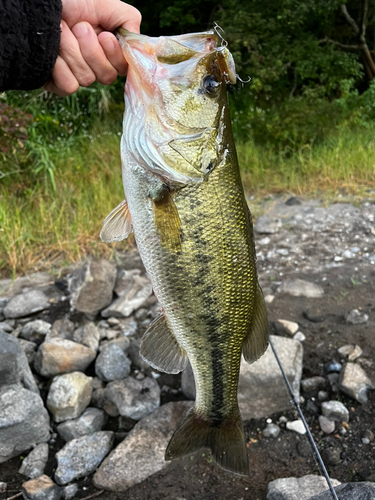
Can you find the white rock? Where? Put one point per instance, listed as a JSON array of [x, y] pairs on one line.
[[356, 317], [301, 288], [35, 330], [69, 395], [301, 337], [283, 326], [269, 299], [294, 488], [335, 410], [296, 426], [326, 425]]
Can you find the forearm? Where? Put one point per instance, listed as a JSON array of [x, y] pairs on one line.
[[29, 42]]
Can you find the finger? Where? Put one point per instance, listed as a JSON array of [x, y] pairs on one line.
[[70, 51], [93, 53], [113, 52], [63, 81]]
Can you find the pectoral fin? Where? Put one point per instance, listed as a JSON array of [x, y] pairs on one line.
[[117, 225], [167, 221], [256, 340], [160, 348]]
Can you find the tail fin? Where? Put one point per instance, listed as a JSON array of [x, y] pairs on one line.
[[226, 441]]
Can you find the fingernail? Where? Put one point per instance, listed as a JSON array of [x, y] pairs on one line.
[[80, 30]]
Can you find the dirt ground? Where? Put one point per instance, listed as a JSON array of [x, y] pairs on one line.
[[347, 286]]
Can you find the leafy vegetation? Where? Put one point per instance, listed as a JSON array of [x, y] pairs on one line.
[[305, 122]]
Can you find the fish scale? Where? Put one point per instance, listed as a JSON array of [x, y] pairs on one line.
[[194, 234]]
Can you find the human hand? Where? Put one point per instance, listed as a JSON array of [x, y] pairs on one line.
[[88, 50]]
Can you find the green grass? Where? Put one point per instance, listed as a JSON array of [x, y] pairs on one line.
[[41, 228]]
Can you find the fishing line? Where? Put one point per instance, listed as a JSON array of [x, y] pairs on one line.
[[309, 435]]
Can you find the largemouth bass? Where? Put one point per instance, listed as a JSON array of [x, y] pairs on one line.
[[186, 206]]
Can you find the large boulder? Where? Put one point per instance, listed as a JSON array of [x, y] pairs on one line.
[[141, 454], [350, 491], [24, 422], [91, 286]]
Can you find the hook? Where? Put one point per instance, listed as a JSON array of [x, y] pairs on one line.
[[218, 30]]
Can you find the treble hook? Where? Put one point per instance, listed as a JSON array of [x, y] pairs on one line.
[[217, 30], [244, 81]]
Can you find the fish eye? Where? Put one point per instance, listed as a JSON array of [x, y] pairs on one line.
[[210, 85]]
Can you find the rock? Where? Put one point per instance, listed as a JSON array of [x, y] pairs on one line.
[[29, 348], [82, 456], [350, 491], [99, 400], [331, 456], [333, 379], [3, 487], [131, 297], [332, 367], [133, 352], [69, 395], [356, 317], [323, 396], [294, 488], [36, 330], [88, 335], [91, 420], [26, 303], [335, 410], [134, 398], [354, 382], [313, 383], [296, 426], [301, 337], [261, 390], [268, 299], [34, 464], [141, 454], [91, 286], [70, 491], [62, 356], [265, 225], [285, 327], [261, 387], [368, 435], [326, 425], [41, 488], [292, 201], [314, 315], [112, 363], [350, 351], [24, 421], [14, 366], [271, 431], [301, 288], [63, 328]]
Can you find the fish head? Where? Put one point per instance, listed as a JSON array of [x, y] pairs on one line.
[[176, 103]]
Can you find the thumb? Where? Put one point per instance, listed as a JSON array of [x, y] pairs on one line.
[[116, 13]]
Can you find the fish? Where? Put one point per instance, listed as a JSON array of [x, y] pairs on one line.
[[185, 203]]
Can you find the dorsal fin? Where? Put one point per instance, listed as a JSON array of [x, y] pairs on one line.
[[160, 348], [117, 225]]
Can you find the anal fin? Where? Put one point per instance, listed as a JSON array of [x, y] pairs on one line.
[[160, 348], [117, 225], [256, 340]]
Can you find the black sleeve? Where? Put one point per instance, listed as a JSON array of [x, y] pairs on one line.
[[29, 42]]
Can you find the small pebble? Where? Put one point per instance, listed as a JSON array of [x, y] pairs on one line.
[[283, 420], [271, 431], [3, 487], [323, 396], [326, 425], [269, 299], [365, 441], [269, 420], [368, 435], [356, 317], [356, 353], [332, 456], [301, 337], [296, 426], [70, 491], [332, 367], [313, 383]]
